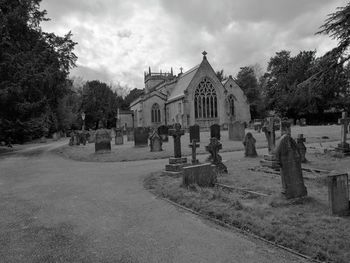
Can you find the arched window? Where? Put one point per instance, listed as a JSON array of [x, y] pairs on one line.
[[231, 103], [155, 113], [205, 100]]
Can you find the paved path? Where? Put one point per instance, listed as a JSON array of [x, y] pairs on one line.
[[58, 210]]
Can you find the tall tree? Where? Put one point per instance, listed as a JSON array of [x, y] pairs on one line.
[[221, 75], [34, 66]]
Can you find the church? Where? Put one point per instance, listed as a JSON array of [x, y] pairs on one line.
[[193, 97]]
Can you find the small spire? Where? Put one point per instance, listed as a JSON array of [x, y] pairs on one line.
[[171, 71], [181, 70], [149, 70], [204, 53]]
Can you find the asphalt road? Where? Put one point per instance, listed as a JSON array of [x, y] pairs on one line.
[[57, 210]]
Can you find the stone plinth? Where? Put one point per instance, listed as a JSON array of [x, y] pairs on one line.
[[176, 165], [338, 194], [343, 148], [270, 161], [203, 175]]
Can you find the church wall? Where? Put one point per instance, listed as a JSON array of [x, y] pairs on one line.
[[177, 114], [242, 108], [147, 108], [137, 109]]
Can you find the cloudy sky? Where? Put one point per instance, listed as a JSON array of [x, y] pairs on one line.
[[119, 39]]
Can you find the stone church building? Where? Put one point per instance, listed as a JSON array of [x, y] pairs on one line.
[[194, 97]]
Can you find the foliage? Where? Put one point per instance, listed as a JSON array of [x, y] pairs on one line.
[[34, 66], [221, 75], [133, 95]]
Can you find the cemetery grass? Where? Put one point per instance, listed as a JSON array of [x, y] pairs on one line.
[[303, 225], [127, 151]]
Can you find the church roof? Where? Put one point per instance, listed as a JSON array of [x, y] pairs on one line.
[[182, 83]]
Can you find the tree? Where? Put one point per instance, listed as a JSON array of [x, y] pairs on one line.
[[221, 76], [133, 95], [34, 66]]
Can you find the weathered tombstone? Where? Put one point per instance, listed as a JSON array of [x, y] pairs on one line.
[[215, 131], [285, 127], [119, 138], [163, 132], [270, 158], [82, 137], [130, 134], [155, 142], [343, 146], [193, 145], [301, 147], [249, 145], [236, 131], [338, 194], [203, 175], [288, 155], [215, 158], [141, 136], [177, 162], [195, 133], [102, 140]]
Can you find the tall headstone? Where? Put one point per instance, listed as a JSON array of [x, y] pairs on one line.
[[249, 145], [119, 138], [194, 145], [215, 131], [215, 158], [195, 133], [141, 136], [177, 162], [236, 131], [163, 132], [338, 194], [288, 155], [301, 147], [155, 142], [270, 158], [343, 146], [102, 140]]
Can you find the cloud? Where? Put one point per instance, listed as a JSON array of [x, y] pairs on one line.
[[118, 40]]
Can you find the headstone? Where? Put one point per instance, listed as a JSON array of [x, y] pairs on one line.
[[177, 162], [119, 138], [130, 134], [285, 127], [155, 142], [215, 158], [194, 147], [102, 140], [203, 175], [270, 158], [236, 131], [338, 194], [163, 131], [288, 155], [82, 137], [195, 133], [55, 136], [141, 136], [301, 147], [343, 146], [215, 131], [249, 145]]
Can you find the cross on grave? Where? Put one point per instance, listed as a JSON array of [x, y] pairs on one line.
[[344, 121], [194, 147], [177, 132], [269, 130], [213, 148]]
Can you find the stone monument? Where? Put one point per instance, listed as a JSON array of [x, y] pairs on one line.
[[270, 158], [215, 158], [215, 131], [195, 133], [288, 155], [343, 146], [193, 145], [249, 145], [301, 147], [155, 142], [102, 140], [236, 131], [163, 132], [338, 194], [141, 135], [177, 162]]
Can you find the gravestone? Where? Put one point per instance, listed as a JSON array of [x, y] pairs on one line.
[[102, 140], [195, 133], [215, 131], [177, 162], [270, 158], [74, 139], [343, 146], [285, 127], [288, 155], [155, 142], [119, 138], [193, 145], [203, 175], [236, 131], [301, 147], [82, 137], [130, 134], [141, 136], [163, 131], [338, 194], [215, 158], [55, 136], [249, 145]]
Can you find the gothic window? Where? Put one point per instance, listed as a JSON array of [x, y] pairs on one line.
[[155, 113], [231, 103], [205, 100]]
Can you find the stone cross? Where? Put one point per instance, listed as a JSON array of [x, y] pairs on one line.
[[215, 158], [194, 147], [301, 146], [177, 132], [269, 130], [344, 121]]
